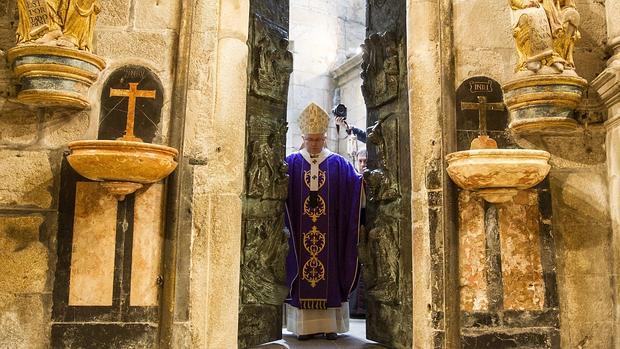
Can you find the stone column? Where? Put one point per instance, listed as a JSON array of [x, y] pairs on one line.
[[214, 144], [430, 64], [608, 86]]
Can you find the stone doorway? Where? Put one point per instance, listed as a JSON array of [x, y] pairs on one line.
[[385, 246]]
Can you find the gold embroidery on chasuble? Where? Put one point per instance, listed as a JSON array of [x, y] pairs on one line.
[[313, 270], [314, 241], [319, 177], [315, 212]]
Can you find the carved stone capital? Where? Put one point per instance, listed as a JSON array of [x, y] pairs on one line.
[[544, 103], [54, 76], [607, 84]]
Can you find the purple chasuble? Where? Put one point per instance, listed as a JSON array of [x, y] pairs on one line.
[[322, 264]]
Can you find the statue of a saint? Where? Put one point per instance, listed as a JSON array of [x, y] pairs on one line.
[[545, 32], [68, 23]]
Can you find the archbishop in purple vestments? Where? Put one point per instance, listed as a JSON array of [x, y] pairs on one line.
[[323, 217]]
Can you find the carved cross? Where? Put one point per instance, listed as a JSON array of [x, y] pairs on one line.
[[133, 93], [482, 106]]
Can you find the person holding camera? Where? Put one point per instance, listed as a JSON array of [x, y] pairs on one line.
[[340, 112]]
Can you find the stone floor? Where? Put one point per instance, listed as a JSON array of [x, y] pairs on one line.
[[354, 339]]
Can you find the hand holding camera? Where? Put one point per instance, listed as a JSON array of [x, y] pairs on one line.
[[340, 113]]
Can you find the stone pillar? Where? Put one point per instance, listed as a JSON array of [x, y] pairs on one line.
[[207, 287], [430, 63], [608, 86]]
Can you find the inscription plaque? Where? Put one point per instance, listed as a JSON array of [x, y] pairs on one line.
[[476, 96]]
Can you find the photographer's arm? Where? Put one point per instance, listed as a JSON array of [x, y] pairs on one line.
[[361, 134]]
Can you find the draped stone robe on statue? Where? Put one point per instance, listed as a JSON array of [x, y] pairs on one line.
[[323, 217]]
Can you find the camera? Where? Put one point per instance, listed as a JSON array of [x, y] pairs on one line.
[[340, 111]]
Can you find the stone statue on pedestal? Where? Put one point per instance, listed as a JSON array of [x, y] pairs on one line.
[[545, 32], [67, 23]]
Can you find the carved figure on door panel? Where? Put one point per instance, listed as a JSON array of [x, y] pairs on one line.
[[383, 182], [68, 23], [265, 252], [381, 266], [267, 174], [380, 69], [273, 63]]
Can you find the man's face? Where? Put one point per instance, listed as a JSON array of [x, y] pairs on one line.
[[314, 143], [361, 163]]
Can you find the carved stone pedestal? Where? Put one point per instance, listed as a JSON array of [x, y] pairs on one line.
[[54, 76], [544, 103]]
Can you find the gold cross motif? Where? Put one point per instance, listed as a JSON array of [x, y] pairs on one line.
[[133, 93], [482, 106]]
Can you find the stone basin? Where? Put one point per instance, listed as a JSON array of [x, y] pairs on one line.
[[124, 165], [498, 174]]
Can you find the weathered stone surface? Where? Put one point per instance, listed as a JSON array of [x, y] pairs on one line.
[[583, 252], [583, 149], [156, 47], [203, 66], [25, 322], [59, 127], [503, 339], [146, 255], [156, 15], [590, 61], [483, 61], [24, 259], [522, 277], [18, 125], [104, 335], [496, 30], [93, 246], [224, 251], [31, 178], [7, 39], [586, 192], [593, 29], [205, 19], [199, 143], [424, 65], [472, 253], [114, 13], [612, 7], [24, 302]]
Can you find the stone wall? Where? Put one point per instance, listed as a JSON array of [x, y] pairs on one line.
[[580, 224], [32, 142]]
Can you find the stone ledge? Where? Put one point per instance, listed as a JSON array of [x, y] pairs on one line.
[[353, 63], [607, 84]]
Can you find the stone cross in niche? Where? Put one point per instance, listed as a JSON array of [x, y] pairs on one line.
[[133, 93], [482, 106]]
